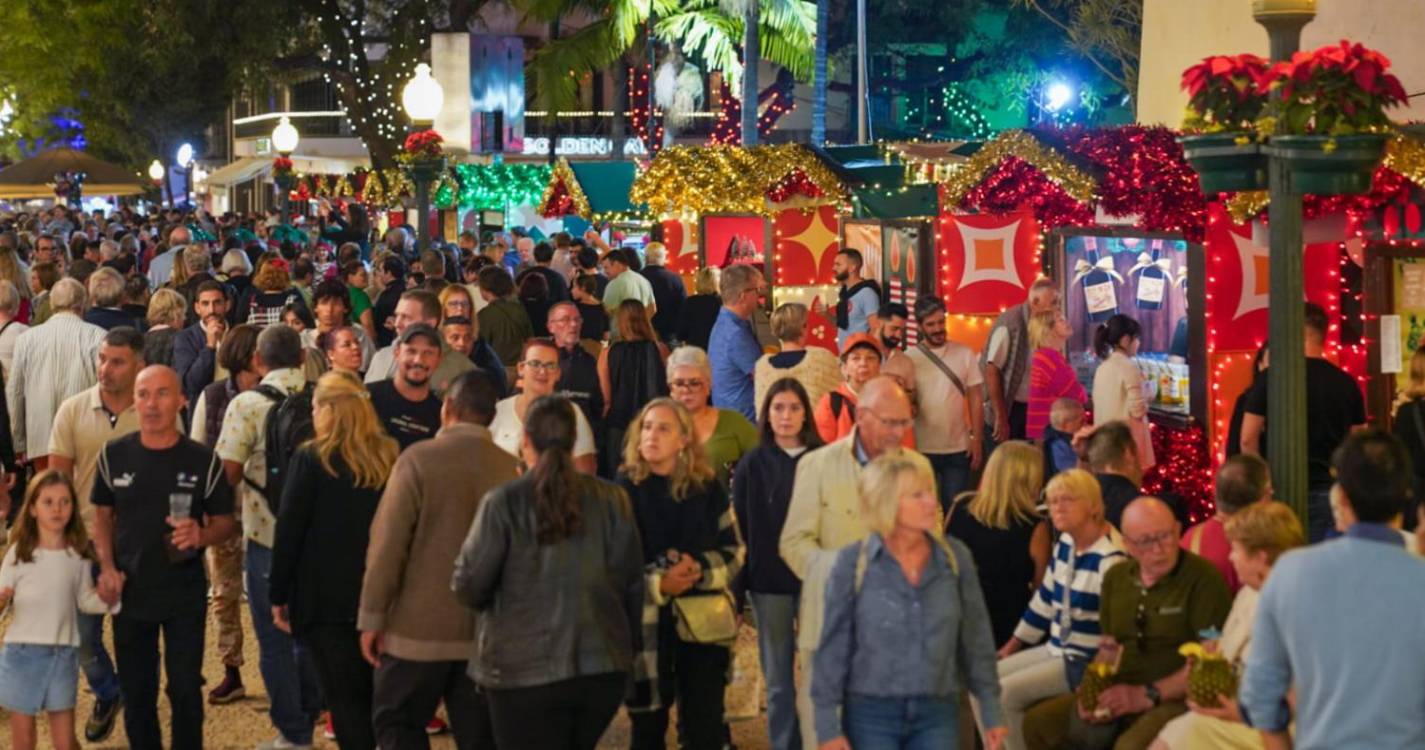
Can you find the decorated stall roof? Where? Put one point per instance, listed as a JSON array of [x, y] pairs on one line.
[[496, 186], [736, 179], [594, 190], [1404, 164], [877, 178]]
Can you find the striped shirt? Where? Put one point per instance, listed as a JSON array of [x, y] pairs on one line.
[[1081, 575], [53, 361]]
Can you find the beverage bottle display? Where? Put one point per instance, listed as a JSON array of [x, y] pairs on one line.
[[1152, 278], [1096, 277]]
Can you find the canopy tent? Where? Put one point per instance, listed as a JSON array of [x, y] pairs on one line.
[[238, 172], [34, 177]]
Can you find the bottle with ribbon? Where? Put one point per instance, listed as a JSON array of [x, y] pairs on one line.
[[1154, 273], [1098, 279]]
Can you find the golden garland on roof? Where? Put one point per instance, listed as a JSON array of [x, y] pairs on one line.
[[1403, 155], [562, 172], [728, 179], [1078, 184]]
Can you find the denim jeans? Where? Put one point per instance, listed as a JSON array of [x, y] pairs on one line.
[[777, 645], [94, 659], [1320, 523], [921, 723], [287, 671], [952, 473]]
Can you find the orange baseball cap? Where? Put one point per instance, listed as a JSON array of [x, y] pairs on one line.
[[861, 339]]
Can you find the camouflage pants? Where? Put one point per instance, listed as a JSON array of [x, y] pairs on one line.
[[225, 577]]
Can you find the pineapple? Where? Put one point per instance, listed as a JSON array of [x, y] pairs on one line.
[[1098, 676], [1210, 676]]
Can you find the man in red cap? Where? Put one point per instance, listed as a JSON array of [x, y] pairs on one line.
[[835, 414]]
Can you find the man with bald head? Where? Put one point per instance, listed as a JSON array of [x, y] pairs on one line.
[[825, 512], [1159, 599], [1005, 361], [159, 499]]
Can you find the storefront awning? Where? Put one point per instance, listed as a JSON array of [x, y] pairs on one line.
[[238, 172]]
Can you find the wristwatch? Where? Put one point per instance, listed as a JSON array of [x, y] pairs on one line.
[[1153, 695]]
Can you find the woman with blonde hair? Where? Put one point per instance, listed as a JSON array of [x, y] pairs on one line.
[[1051, 377], [635, 360], [1008, 538], [816, 368], [456, 301], [167, 312], [1408, 424], [700, 310], [13, 271], [690, 556], [1259, 534], [1065, 607], [333, 485], [904, 621]]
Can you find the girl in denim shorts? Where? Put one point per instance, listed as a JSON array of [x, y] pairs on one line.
[[47, 577]]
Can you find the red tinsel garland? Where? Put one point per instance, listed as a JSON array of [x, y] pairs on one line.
[[1016, 185], [1184, 468], [794, 184], [560, 202], [1143, 173]]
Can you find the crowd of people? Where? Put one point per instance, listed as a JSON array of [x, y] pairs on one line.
[[522, 485]]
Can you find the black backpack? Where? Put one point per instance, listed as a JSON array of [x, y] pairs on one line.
[[288, 425]]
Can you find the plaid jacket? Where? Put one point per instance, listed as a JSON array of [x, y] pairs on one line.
[[720, 566]]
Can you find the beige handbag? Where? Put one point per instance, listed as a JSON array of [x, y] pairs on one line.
[[708, 618]]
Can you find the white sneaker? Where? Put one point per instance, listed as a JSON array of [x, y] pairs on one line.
[[281, 743]]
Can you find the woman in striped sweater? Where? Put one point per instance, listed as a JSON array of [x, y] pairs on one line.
[[1065, 608], [1051, 377]]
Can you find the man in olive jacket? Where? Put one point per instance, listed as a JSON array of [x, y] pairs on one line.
[[413, 631]]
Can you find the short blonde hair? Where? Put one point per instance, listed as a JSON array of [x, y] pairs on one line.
[[789, 321], [1041, 327], [884, 481], [106, 287], [68, 294], [1080, 485], [167, 307], [1269, 527], [1009, 490], [706, 280]]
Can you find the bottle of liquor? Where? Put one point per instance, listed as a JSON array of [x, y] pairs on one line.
[[1152, 278], [1096, 276]]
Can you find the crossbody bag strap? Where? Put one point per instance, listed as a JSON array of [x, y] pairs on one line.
[[940, 363]]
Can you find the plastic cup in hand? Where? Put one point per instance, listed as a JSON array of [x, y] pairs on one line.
[[180, 505]]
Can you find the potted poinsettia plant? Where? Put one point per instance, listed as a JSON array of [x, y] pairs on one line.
[[1327, 118], [284, 175], [423, 154], [1226, 95]]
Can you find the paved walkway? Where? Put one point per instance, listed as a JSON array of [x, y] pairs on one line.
[[243, 724]]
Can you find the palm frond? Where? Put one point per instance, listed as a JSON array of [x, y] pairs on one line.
[[555, 68], [708, 35], [788, 52]]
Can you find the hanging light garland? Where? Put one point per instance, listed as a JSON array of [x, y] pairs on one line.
[[1021, 145], [563, 196], [733, 179]]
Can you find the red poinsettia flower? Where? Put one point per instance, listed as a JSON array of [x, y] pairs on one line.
[[1338, 89], [1225, 92], [423, 143]]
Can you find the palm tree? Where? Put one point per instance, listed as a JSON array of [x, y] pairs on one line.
[[818, 96], [750, 57], [704, 30]]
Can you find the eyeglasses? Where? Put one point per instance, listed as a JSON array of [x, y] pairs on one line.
[[458, 303], [687, 385], [1156, 540], [540, 365]]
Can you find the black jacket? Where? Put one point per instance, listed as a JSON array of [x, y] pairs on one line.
[[669, 293], [194, 361], [551, 612], [761, 493], [319, 554]]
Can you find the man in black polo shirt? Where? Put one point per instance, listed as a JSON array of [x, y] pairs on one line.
[[558, 284], [405, 403], [1334, 409], [578, 370], [159, 499]]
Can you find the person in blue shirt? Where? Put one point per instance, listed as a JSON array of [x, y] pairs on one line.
[[905, 618], [860, 297], [732, 345], [1341, 621]]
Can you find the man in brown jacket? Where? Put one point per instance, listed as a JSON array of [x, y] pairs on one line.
[[413, 631]]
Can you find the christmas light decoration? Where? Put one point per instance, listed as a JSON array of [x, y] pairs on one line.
[[499, 186], [646, 123], [1184, 468], [728, 179], [777, 99], [563, 196], [1024, 147]]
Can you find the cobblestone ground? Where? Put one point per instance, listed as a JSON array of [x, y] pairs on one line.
[[243, 724]]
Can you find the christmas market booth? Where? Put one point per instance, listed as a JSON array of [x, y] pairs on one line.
[[1117, 218], [778, 206], [593, 193]]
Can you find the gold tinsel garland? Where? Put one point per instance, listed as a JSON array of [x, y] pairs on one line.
[[728, 179], [1404, 155], [400, 185], [562, 172], [1075, 182]]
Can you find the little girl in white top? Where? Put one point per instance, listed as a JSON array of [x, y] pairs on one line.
[[47, 577]]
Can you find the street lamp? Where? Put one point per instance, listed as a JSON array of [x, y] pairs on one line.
[[155, 173], [422, 98], [1286, 317], [284, 140]]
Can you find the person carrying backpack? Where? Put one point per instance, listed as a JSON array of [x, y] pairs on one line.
[[260, 433]]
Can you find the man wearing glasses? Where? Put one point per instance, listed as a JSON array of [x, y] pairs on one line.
[[578, 369], [732, 345], [1159, 599]]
